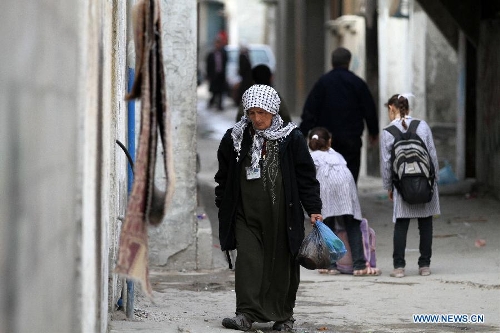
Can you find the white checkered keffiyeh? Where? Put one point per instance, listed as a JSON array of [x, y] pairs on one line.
[[261, 96], [264, 97]]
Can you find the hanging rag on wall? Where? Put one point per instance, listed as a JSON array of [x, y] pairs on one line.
[[147, 204]]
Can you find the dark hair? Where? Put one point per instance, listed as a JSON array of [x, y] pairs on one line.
[[321, 142], [400, 103], [261, 74], [341, 57]]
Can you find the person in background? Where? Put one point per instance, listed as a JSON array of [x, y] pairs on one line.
[[216, 74], [261, 74], [399, 110], [222, 35], [245, 72], [339, 197], [341, 102], [265, 181]]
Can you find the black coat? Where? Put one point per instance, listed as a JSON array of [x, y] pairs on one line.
[[217, 80], [245, 72], [341, 102], [301, 187]]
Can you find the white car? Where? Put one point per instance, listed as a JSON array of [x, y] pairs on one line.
[[259, 54]]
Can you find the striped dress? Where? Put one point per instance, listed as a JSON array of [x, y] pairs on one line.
[[338, 190], [401, 208]]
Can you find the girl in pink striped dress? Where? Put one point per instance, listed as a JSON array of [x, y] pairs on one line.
[[339, 196]]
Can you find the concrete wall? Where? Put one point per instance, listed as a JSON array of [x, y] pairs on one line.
[[394, 64], [40, 177], [432, 59], [313, 49], [211, 19], [117, 167], [284, 80], [173, 244], [103, 114], [246, 21], [488, 104], [300, 49], [415, 57], [441, 86], [62, 180]]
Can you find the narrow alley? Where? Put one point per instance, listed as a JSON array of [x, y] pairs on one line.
[[464, 279]]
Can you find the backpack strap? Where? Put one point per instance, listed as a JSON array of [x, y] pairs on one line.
[[413, 129], [413, 126], [398, 135], [396, 132]]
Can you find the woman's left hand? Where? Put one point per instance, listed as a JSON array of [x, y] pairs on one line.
[[316, 217]]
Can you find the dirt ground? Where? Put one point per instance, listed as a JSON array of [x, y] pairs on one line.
[[465, 280]]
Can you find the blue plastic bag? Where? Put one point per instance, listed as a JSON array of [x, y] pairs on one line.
[[320, 248], [446, 175], [335, 245]]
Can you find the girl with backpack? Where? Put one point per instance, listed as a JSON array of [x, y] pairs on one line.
[[339, 196], [398, 108]]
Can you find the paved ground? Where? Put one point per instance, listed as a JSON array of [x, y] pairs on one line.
[[465, 276]]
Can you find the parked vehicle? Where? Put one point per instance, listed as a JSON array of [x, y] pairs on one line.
[[259, 54]]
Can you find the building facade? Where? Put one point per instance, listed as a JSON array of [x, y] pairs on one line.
[[63, 177]]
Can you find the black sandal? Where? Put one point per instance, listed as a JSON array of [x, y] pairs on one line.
[[286, 325], [240, 322]]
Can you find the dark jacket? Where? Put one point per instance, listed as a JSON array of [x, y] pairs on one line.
[[340, 101], [245, 72], [217, 80], [299, 181]]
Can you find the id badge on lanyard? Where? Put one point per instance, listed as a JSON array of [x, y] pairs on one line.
[[253, 173]]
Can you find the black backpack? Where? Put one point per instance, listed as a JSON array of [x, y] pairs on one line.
[[412, 169]]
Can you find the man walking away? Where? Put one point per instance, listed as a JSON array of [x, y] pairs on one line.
[[341, 102]]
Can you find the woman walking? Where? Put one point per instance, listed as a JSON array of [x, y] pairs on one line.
[[265, 177]]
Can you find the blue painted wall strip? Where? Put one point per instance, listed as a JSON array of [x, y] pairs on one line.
[[130, 177], [131, 128]]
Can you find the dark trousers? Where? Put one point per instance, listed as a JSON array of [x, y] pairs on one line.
[[399, 241], [354, 236], [350, 149], [216, 99], [217, 89]]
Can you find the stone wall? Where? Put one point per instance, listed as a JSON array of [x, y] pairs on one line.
[[173, 244], [441, 85], [63, 177], [40, 202], [488, 105]]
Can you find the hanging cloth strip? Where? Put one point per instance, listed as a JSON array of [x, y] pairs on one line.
[[147, 204]]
